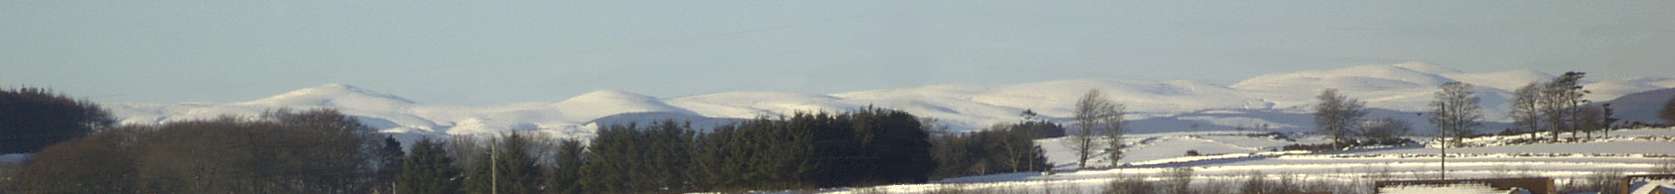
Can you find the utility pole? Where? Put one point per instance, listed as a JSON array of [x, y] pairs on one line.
[[1442, 133], [1445, 156]]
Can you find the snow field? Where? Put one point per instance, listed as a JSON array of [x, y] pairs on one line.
[[1630, 152]]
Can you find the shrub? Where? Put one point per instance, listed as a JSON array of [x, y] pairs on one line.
[[1127, 185], [1178, 180]]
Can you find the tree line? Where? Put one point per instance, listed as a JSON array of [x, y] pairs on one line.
[[325, 151], [1557, 106], [1002, 148], [1553, 107], [318, 151], [32, 118]]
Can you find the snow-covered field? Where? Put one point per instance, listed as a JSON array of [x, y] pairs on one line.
[[1231, 156]]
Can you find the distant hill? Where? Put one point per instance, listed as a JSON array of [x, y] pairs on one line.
[[1643, 106], [1279, 100]]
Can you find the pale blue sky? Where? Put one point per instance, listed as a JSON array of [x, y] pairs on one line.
[[482, 52]]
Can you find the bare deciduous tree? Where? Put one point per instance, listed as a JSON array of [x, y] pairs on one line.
[[1095, 115], [1560, 101], [1113, 131], [1590, 119], [1526, 108], [1336, 114], [1455, 110]]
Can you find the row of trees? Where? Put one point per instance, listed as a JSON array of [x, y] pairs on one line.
[[323, 151], [1341, 119], [1555, 106], [513, 163], [1337, 115], [318, 151], [870, 146], [32, 118], [1001, 148]]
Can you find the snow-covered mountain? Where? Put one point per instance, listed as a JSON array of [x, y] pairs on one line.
[[1278, 100]]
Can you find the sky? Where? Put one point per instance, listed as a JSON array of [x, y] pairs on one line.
[[500, 51]]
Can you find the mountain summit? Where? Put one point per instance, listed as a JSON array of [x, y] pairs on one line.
[[597, 104], [332, 95]]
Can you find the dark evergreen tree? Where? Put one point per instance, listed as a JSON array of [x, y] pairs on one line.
[[510, 167], [804, 150], [631, 159], [713, 160], [1610, 118], [389, 159], [33, 118], [1030, 115], [668, 157], [428, 170], [478, 176], [897, 144], [838, 155], [761, 153], [566, 174], [1041, 129], [609, 160]]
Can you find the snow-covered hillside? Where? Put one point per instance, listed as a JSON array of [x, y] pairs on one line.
[[1643, 106], [1277, 100]]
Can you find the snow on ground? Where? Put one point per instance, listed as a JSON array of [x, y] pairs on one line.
[[1163, 148], [1615, 136], [1236, 155], [1649, 186], [13, 158], [1445, 189]]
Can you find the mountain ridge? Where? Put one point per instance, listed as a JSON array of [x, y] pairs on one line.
[[1163, 105]]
